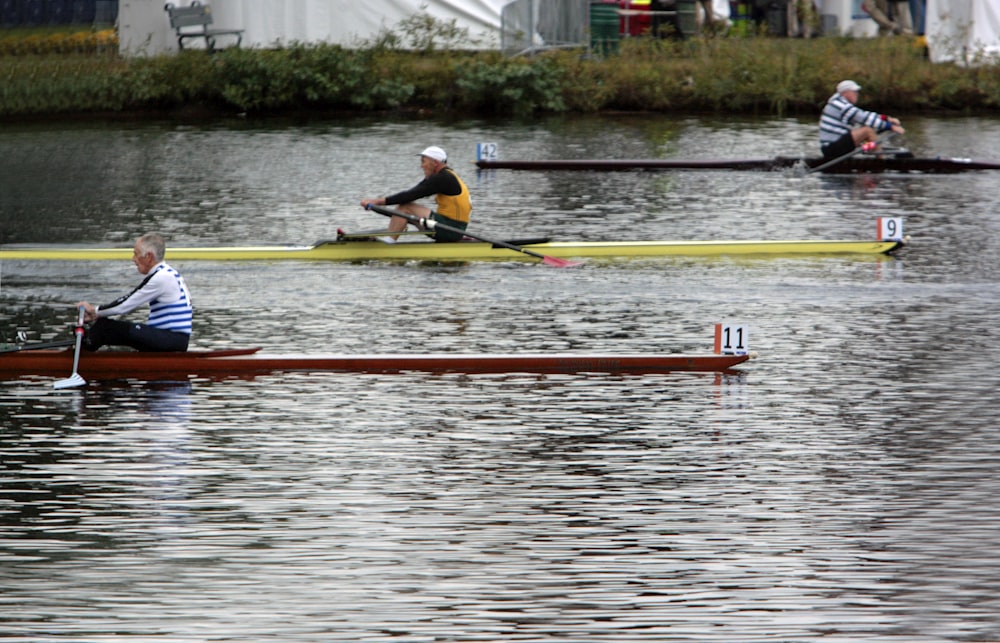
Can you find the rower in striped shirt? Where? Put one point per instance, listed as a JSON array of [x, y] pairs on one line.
[[844, 126], [170, 312]]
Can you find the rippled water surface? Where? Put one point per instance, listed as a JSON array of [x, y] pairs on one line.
[[841, 487]]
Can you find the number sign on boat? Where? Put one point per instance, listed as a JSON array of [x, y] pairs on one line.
[[487, 152], [890, 229], [732, 339]]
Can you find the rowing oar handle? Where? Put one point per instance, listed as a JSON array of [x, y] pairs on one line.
[[431, 224], [79, 333], [393, 213], [859, 149]]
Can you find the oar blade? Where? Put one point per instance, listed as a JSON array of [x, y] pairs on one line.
[[72, 381], [75, 379], [560, 263]]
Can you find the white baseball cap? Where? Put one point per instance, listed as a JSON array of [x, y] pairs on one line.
[[436, 153], [848, 86]]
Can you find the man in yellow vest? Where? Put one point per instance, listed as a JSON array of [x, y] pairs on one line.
[[453, 204]]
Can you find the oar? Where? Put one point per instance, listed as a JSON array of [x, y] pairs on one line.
[[430, 224], [857, 150], [74, 379], [59, 343]]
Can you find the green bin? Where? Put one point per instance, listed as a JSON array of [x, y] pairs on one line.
[[687, 17], [604, 27], [740, 12]]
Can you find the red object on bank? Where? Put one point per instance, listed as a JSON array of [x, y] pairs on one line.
[[635, 18]]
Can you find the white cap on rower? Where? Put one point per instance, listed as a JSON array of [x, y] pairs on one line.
[[436, 153], [848, 86]]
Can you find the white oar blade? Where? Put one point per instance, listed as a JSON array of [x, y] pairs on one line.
[[70, 382]]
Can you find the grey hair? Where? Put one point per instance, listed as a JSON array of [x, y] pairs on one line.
[[154, 243]]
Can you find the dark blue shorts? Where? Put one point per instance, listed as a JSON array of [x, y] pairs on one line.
[[841, 146], [114, 332]]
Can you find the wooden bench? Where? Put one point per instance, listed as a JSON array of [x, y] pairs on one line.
[[193, 21]]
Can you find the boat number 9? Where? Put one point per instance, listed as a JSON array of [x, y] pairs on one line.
[[732, 339], [486, 152], [890, 229]]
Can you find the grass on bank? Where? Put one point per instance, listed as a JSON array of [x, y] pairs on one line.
[[56, 40], [758, 75]]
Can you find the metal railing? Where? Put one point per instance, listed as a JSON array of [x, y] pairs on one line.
[[529, 26]]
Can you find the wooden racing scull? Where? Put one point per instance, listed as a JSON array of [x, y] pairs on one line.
[[120, 364], [861, 164]]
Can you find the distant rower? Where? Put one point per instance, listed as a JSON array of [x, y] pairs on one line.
[[170, 310], [440, 181], [844, 127]]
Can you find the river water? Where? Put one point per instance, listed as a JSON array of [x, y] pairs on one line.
[[841, 488]]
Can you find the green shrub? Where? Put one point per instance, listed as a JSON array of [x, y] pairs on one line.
[[509, 86], [46, 85], [427, 65], [167, 81], [304, 76]]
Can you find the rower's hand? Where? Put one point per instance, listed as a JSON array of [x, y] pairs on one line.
[[89, 311], [365, 203], [898, 128]]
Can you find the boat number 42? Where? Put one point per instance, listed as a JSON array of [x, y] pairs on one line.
[[487, 152]]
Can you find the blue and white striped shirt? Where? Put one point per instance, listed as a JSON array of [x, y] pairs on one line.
[[840, 116], [167, 295]]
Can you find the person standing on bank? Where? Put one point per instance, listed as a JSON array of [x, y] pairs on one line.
[[843, 126], [453, 204], [899, 23], [170, 311]]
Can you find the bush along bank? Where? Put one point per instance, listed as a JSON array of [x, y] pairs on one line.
[[75, 42], [757, 75]]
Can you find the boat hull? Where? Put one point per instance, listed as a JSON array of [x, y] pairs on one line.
[[853, 165], [104, 365], [465, 251]]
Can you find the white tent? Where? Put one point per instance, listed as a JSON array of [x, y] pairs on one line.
[[144, 28], [963, 31]]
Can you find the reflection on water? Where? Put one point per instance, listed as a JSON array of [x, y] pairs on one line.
[[838, 488]]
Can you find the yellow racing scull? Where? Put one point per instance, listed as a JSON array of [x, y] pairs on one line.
[[351, 250]]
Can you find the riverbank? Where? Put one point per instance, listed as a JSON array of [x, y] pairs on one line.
[[755, 75]]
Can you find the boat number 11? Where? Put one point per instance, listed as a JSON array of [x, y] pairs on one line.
[[732, 339]]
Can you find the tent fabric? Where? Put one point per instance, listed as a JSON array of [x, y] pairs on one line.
[[962, 31], [347, 22], [145, 29], [966, 32]]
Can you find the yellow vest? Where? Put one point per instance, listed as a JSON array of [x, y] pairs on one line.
[[456, 207]]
